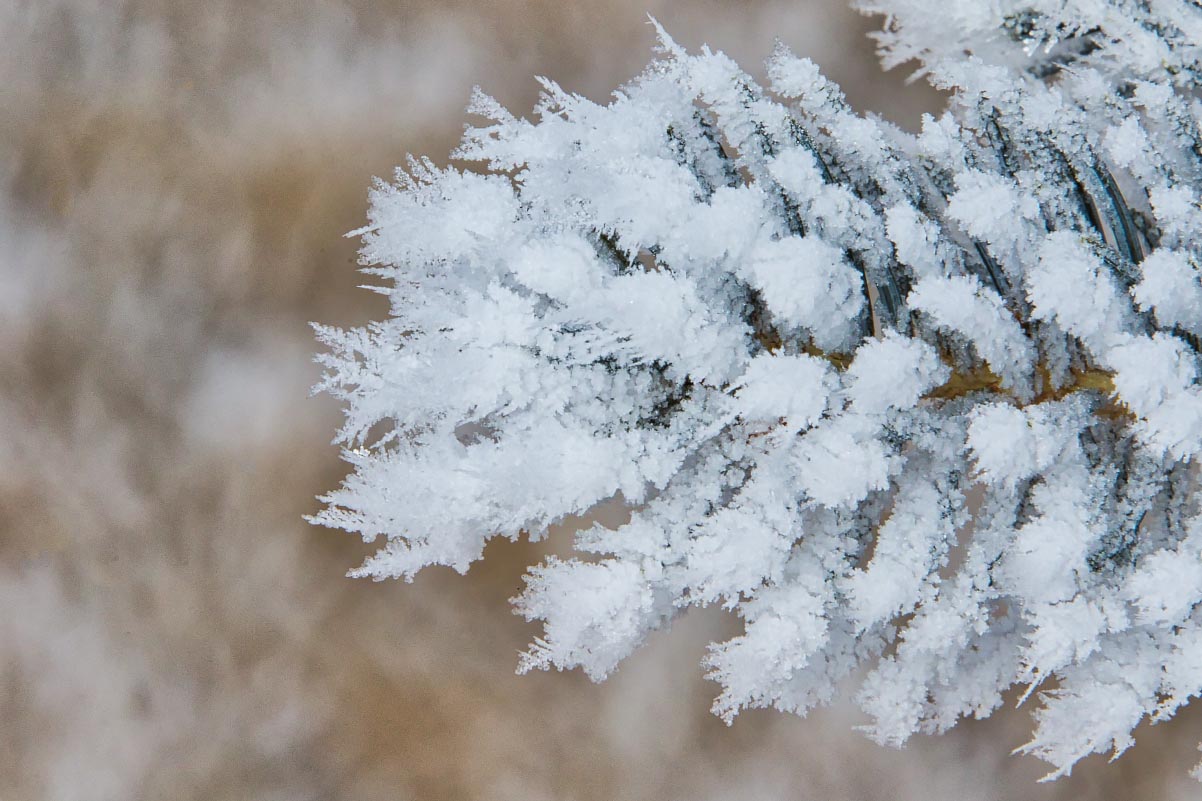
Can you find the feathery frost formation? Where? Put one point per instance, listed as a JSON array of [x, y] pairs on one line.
[[923, 409]]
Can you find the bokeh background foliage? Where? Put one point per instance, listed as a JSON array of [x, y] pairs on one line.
[[175, 180]]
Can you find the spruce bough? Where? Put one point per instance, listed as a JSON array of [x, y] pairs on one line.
[[921, 409]]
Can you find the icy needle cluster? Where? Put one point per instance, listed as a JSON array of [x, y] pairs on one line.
[[923, 410]]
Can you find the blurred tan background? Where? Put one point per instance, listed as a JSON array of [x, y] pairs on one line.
[[175, 180]]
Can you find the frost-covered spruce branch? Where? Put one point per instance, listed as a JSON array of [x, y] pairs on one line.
[[921, 408]]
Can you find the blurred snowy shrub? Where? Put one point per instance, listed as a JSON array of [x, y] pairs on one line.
[[922, 409]]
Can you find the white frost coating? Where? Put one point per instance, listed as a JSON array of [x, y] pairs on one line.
[[563, 270], [961, 305], [1070, 286], [1047, 560], [911, 543], [1158, 380], [594, 614], [836, 468], [793, 389], [915, 240], [919, 409], [1168, 584], [784, 628], [1172, 288], [806, 282], [991, 208], [1126, 143], [1176, 209], [1010, 445], [893, 373]]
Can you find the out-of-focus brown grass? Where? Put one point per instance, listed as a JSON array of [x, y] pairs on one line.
[[175, 179]]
